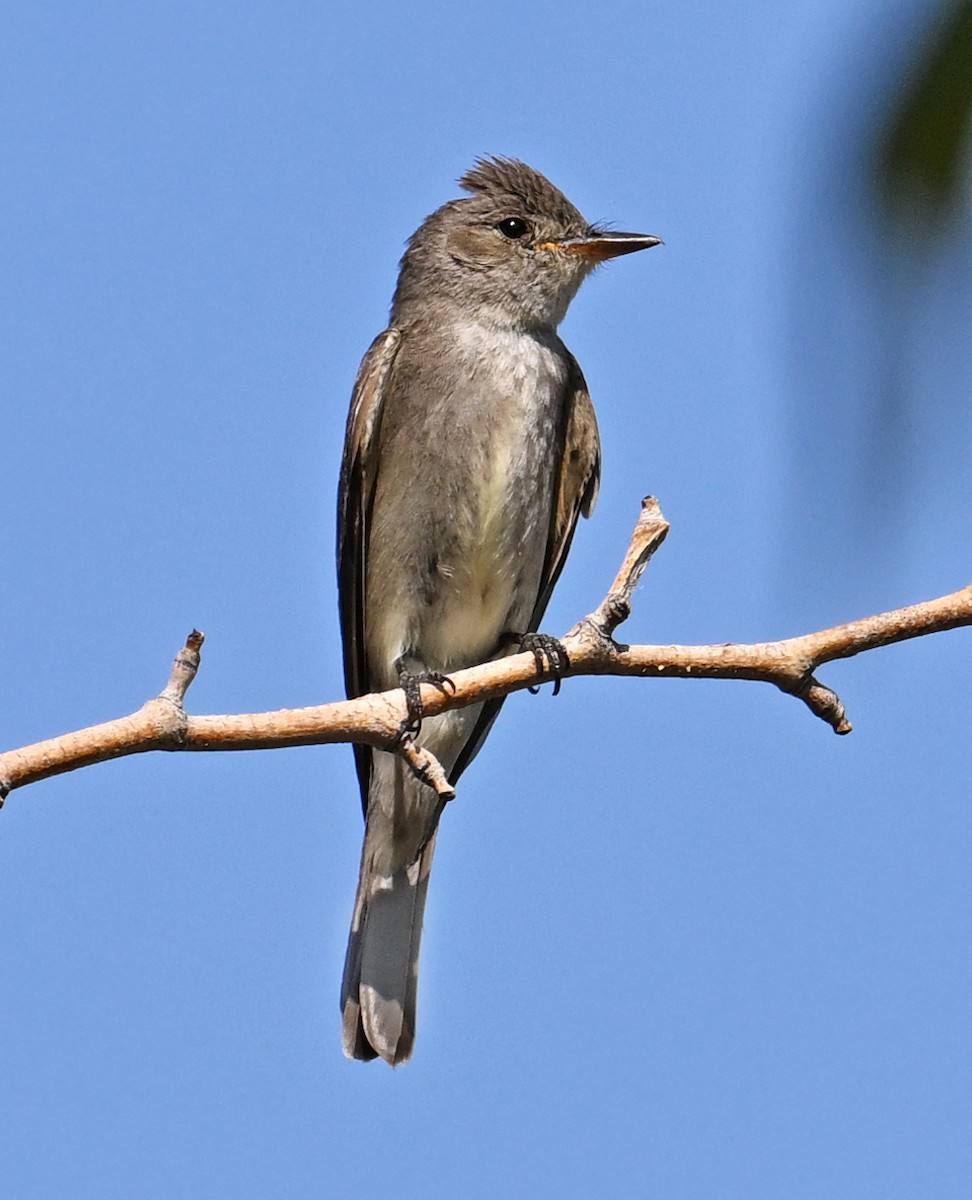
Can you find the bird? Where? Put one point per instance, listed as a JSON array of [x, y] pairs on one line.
[[471, 449]]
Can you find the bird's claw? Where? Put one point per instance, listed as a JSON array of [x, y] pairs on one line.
[[411, 684], [549, 653]]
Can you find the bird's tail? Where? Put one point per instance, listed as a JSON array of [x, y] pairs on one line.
[[378, 993]]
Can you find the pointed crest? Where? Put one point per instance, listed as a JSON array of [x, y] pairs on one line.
[[509, 180]]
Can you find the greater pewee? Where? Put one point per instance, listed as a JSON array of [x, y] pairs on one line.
[[471, 449]]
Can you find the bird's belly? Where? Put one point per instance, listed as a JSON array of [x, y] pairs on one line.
[[465, 623], [488, 584], [467, 568]]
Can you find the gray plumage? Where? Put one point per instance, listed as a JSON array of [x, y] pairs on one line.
[[471, 450]]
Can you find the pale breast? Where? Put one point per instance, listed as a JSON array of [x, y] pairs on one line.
[[491, 578], [464, 494]]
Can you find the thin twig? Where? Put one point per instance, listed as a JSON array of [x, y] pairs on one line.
[[427, 767], [376, 720]]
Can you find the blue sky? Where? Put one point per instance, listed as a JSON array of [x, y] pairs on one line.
[[682, 941]]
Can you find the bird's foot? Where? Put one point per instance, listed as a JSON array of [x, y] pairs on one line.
[[549, 653], [410, 681]]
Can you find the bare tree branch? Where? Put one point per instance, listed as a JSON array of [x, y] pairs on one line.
[[378, 719]]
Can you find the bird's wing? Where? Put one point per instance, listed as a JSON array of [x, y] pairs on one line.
[[577, 483], [578, 476], [355, 496]]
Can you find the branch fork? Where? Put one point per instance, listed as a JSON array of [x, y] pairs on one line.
[[162, 723]]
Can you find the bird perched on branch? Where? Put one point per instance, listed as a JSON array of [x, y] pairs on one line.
[[471, 450]]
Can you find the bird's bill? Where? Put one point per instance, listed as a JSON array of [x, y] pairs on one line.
[[603, 246]]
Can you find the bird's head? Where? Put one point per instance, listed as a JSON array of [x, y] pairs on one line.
[[512, 254]]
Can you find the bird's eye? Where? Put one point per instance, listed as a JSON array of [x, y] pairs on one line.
[[513, 227]]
